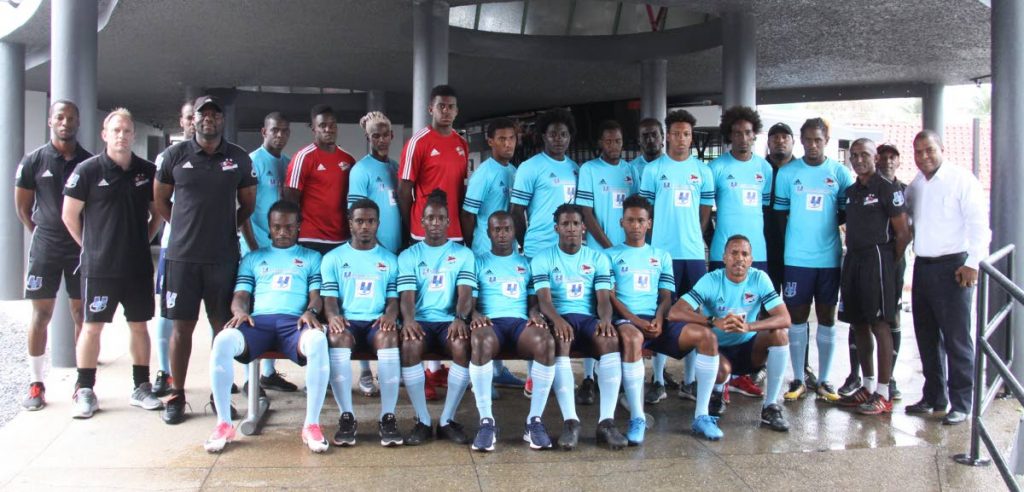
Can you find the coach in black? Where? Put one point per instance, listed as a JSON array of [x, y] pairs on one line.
[[38, 199], [108, 211], [207, 176]]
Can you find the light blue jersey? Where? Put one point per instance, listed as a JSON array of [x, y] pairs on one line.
[[280, 279], [489, 190], [572, 279], [639, 163], [434, 272], [269, 171], [638, 274], [677, 190], [505, 283], [742, 188], [362, 281], [541, 185], [603, 187], [716, 295], [813, 195], [373, 179]]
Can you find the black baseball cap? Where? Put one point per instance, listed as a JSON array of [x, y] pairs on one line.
[[780, 128], [887, 147], [202, 101]]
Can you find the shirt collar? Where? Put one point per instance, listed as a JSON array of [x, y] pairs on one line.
[[197, 149]]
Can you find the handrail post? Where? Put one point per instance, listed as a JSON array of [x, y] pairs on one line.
[[979, 366]]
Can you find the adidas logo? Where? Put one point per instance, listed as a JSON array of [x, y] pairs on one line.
[[188, 165], [552, 175], [320, 167], [434, 153], [730, 177], [603, 182], [345, 265], [663, 178], [797, 182], [47, 174], [621, 262], [103, 182]]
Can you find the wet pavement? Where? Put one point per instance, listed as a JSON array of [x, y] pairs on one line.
[[123, 447]]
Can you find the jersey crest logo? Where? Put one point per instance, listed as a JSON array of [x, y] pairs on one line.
[[520, 269], [320, 167], [344, 166], [459, 151], [298, 262], [451, 259], [46, 174], [103, 182], [382, 267], [141, 179], [749, 298], [98, 304], [654, 262], [789, 290], [188, 165], [898, 199], [434, 153], [72, 180], [871, 199], [228, 165], [759, 177], [586, 269], [629, 180], [830, 182], [33, 282]]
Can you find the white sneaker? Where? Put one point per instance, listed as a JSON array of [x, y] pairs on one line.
[[144, 398], [84, 404], [366, 385]]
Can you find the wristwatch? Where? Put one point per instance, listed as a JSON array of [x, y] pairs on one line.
[[465, 319], [711, 321], [313, 310]]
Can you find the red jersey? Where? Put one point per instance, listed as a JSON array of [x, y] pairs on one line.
[[322, 177], [431, 160]]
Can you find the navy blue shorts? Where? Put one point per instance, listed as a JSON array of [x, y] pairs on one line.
[[584, 328], [760, 265], [363, 332], [667, 343], [508, 331], [687, 273], [740, 357], [803, 284], [435, 336], [272, 333]]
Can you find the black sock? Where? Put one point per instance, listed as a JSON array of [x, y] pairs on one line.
[[140, 375], [895, 348], [86, 377], [854, 359]]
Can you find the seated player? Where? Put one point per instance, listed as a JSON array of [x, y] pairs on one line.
[[727, 299], [361, 302], [643, 295], [507, 318], [284, 278], [436, 279], [572, 280]]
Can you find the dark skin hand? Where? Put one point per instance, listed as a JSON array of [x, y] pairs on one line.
[[240, 311]]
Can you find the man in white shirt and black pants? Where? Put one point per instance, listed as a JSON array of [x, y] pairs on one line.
[[951, 236]]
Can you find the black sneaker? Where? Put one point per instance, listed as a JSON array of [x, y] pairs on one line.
[[346, 435], [452, 431], [716, 407], [608, 434], [234, 389], [174, 410], [420, 434], [585, 394], [213, 408], [655, 393], [771, 416], [810, 380], [162, 384], [850, 386], [245, 390], [894, 392], [922, 407], [277, 382], [670, 382], [387, 429], [570, 435]]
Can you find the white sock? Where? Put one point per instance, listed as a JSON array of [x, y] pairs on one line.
[[869, 384], [883, 389], [35, 367]]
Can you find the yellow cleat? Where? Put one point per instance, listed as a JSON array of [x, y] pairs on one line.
[[796, 391]]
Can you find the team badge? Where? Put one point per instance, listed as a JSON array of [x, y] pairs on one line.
[[586, 269], [298, 262], [654, 262], [749, 298], [451, 259], [229, 165], [98, 304], [629, 180], [382, 267], [897, 199], [694, 179], [171, 299], [789, 290], [459, 151], [830, 182], [759, 177], [344, 166], [520, 269], [141, 179], [33, 282]]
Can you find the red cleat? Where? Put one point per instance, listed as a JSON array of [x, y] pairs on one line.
[[746, 386], [528, 388], [438, 378]]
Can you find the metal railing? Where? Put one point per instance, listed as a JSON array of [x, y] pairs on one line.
[[984, 393]]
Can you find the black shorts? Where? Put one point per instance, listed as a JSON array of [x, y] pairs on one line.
[[186, 284], [45, 269], [868, 286], [102, 295]]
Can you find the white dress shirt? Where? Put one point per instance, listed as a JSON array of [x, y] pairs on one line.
[[949, 214]]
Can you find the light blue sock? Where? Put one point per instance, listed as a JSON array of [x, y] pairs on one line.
[[341, 377], [588, 367], [226, 346], [609, 378], [543, 377], [633, 384], [318, 372], [481, 376], [458, 381], [690, 374], [826, 351], [705, 368], [267, 368], [161, 337], [797, 349], [414, 382], [776, 373], [388, 375], [658, 367], [564, 386]]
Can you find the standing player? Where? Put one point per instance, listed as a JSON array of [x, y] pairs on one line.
[[490, 186], [728, 299], [38, 198], [361, 302], [604, 183], [813, 192], [780, 153], [282, 284], [652, 142], [373, 177], [877, 232], [214, 191], [435, 283], [573, 286], [507, 319], [108, 211], [318, 181]]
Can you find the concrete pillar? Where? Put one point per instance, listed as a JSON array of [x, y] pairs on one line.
[[376, 100], [430, 55], [12, 147], [73, 77], [739, 60], [1007, 204], [931, 110], [654, 82]]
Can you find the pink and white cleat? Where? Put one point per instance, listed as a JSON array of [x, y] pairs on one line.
[[222, 435], [313, 437]]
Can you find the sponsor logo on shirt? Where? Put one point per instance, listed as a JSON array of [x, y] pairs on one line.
[[554, 178], [798, 185], [451, 259], [459, 151], [629, 180], [141, 179], [264, 267], [344, 166], [871, 199]]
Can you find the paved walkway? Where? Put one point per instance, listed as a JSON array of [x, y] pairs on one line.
[[828, 448]]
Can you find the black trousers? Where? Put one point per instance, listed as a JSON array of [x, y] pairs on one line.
[[942, 324]]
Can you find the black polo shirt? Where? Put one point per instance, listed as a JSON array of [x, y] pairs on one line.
[[204, 229], [44, 171], [774, 233], [868, 210], [115, 230]]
